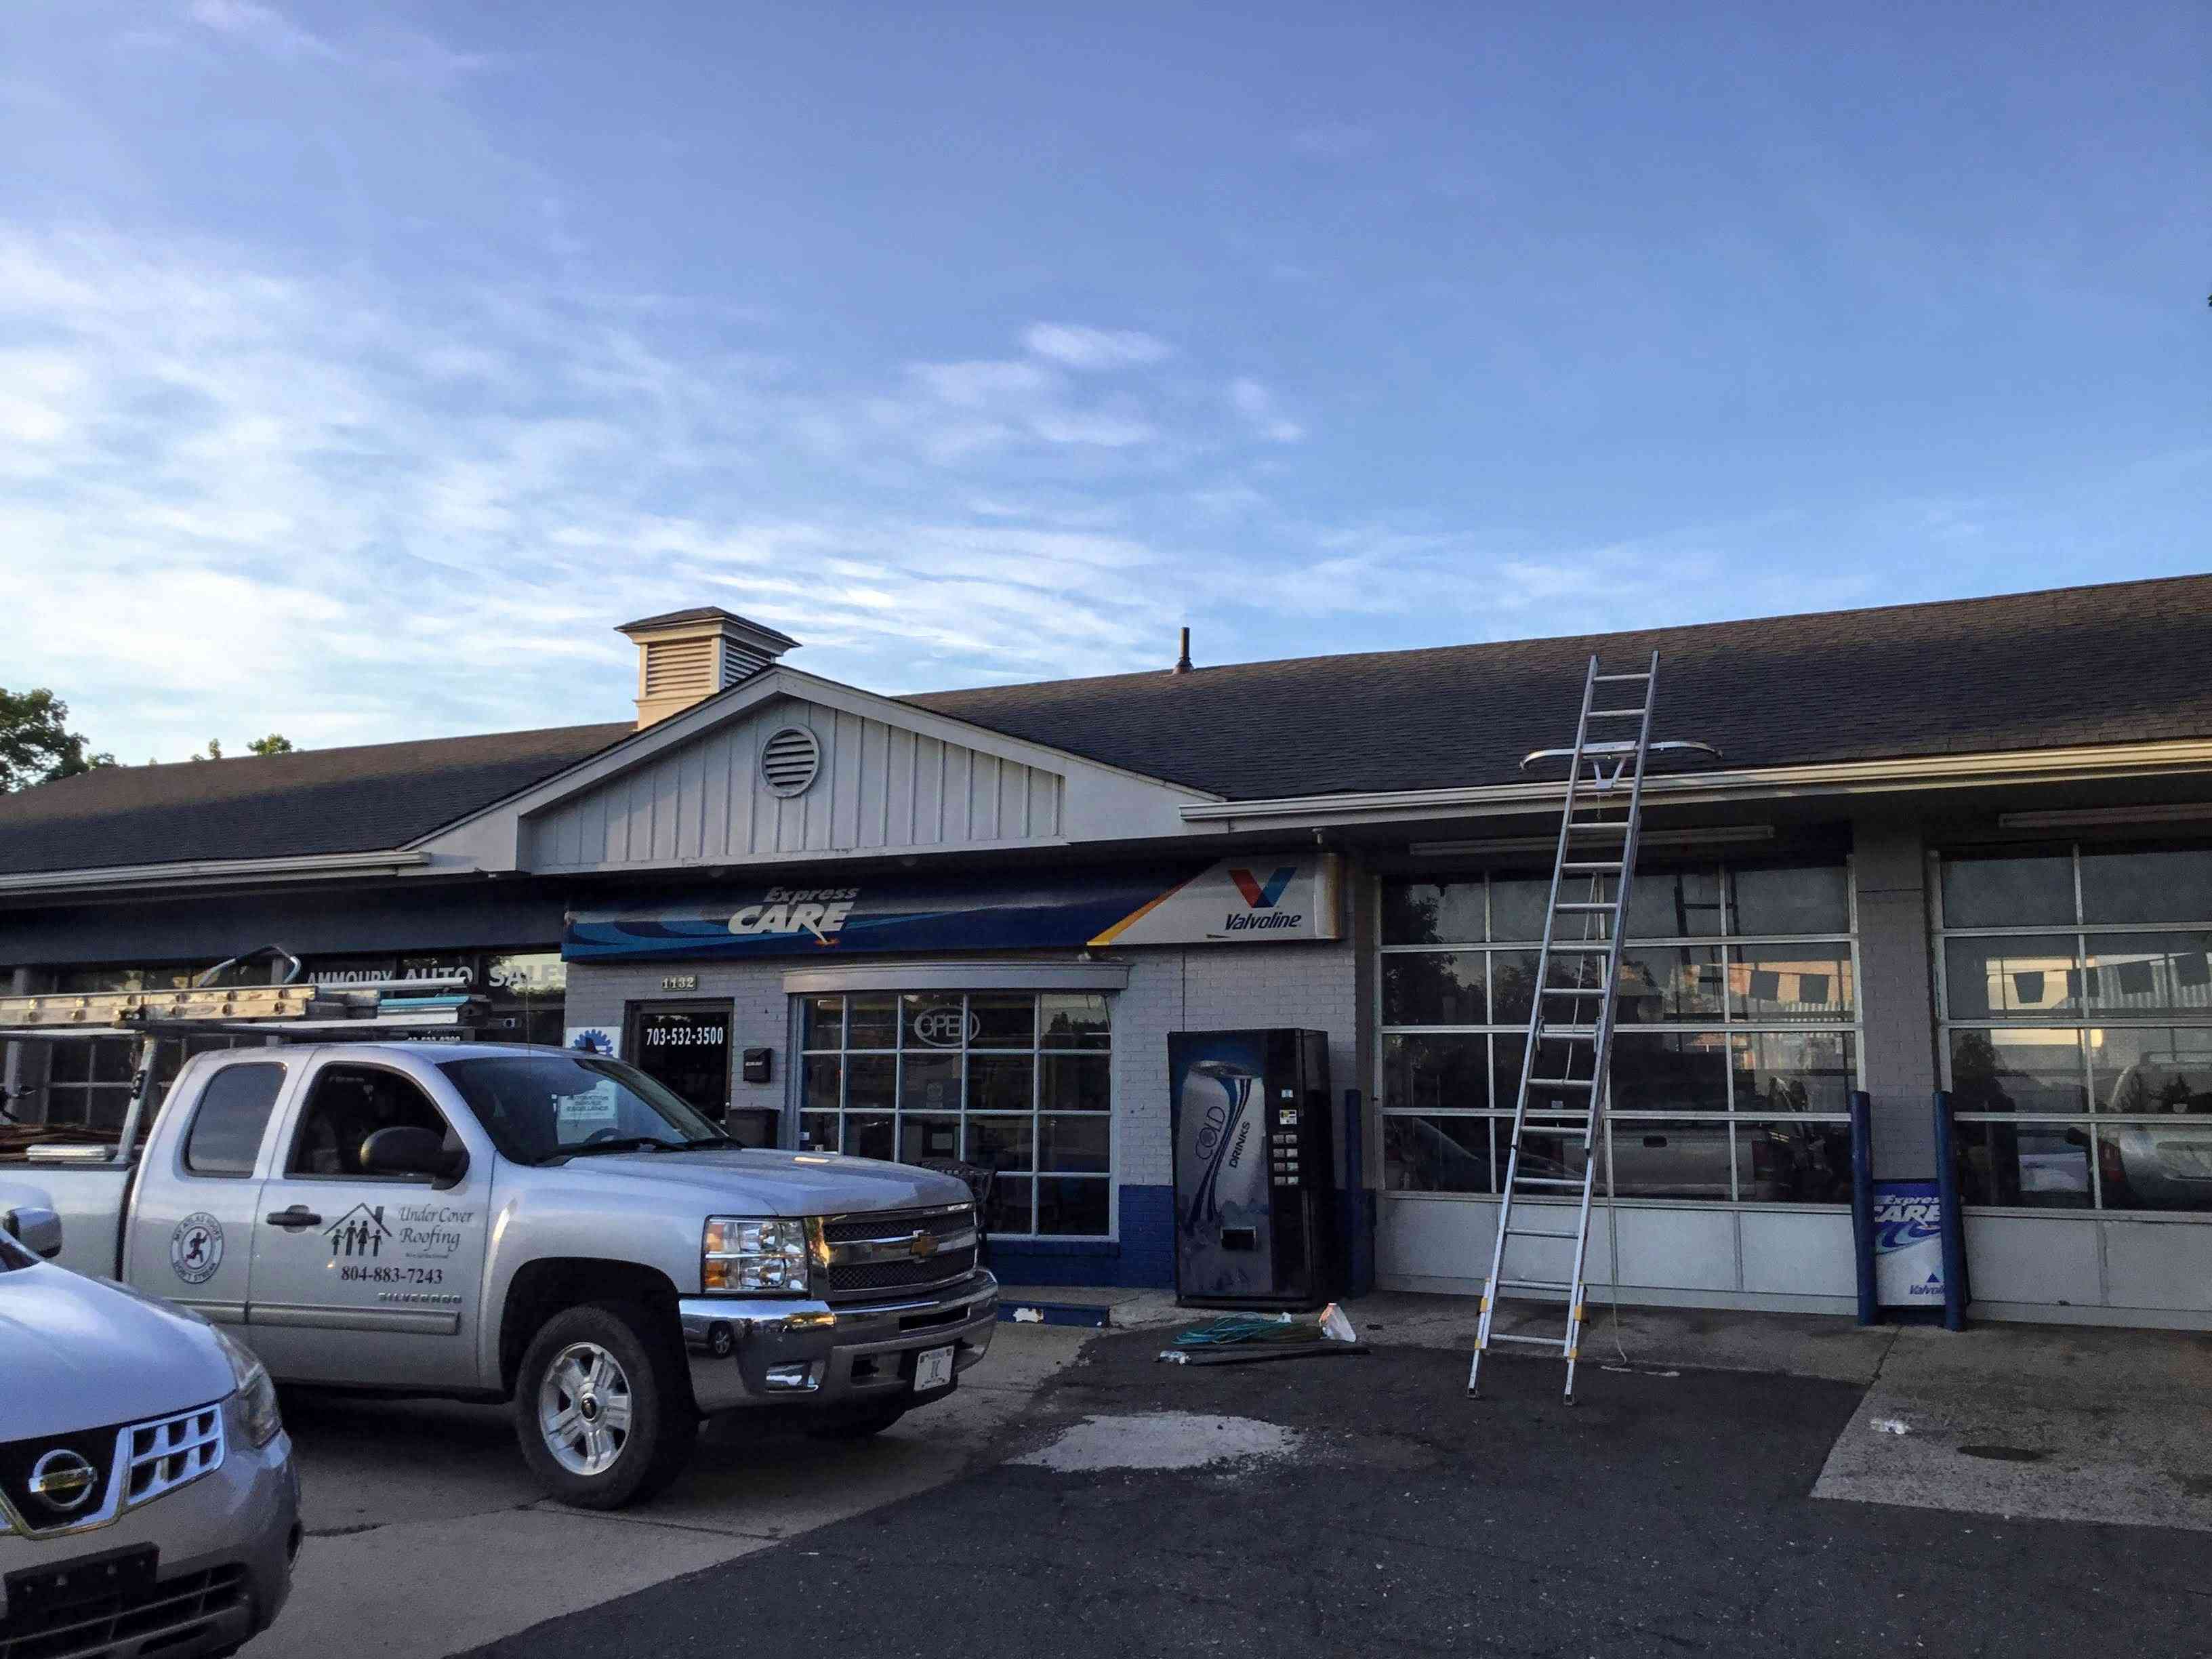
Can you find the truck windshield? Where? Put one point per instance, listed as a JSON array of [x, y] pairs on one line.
[[543, 1106]]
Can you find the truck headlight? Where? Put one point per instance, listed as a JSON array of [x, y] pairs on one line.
[[250, 1411], [750, 1253]]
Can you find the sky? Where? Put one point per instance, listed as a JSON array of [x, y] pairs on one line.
[[364, 365]]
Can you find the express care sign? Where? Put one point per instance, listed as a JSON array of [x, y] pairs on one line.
[[1268, 898]]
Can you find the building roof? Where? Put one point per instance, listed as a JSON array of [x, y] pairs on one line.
[[700, 613], [2123, 662], [2126, 662], [367, 798]]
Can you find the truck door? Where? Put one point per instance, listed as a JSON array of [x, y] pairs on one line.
[[368, 1279], [194, 1214]]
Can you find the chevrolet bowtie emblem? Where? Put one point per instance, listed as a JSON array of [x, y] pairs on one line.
[[922, 1245]]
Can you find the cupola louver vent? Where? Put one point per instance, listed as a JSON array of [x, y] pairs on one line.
[[790, 760]]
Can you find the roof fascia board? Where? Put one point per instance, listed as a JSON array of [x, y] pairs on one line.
[[2083, 764], [212, 872]]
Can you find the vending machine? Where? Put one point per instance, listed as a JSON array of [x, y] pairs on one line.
[[1255, 1175]]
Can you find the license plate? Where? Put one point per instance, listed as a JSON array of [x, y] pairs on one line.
[[38, 1595], [932, 1368]]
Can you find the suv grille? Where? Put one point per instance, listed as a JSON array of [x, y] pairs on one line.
[[131, 1465], [156, 1616]]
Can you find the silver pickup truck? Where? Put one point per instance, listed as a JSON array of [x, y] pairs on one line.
[[531, 1224]]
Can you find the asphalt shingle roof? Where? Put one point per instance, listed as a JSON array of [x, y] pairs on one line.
[[2117, 663], [320, 800]]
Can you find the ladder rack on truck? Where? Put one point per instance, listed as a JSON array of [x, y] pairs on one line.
[[287, 1011]]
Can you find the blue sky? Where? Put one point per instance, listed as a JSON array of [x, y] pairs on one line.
[[361, 366]]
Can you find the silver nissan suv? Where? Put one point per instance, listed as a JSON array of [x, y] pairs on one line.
[[148, 1501]]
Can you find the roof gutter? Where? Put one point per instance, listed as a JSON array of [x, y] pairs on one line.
[[214, 872], [2083, 764]]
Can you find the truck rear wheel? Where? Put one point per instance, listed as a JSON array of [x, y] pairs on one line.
[[600, 1407]]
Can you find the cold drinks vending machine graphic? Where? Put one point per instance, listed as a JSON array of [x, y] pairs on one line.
[[1255, 1178]]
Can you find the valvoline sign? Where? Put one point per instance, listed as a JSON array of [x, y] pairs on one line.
[[1908, 1244], [1238, 900]]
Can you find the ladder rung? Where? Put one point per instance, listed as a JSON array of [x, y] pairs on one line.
[[1618, 714], [1593, 866], [1536, 1232], [1569, 1033], [1610, 680], [1583, 946], [1573, 991], [1534, 1284], [1539, 1341], [1608, 906], [1593, 825], [1519, 1180]]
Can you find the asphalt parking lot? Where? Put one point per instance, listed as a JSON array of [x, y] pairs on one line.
[[426, 1536], [1740, 1485], [1367, 1507]]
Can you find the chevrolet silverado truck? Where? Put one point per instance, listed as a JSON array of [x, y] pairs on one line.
[[536, 1225]]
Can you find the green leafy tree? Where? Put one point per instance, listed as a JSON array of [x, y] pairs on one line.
[[275, 744], [36, 745]]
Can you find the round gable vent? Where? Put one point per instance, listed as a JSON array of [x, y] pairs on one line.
[[789, 761]]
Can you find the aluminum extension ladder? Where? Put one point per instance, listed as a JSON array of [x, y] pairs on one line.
[[1567, 1098]]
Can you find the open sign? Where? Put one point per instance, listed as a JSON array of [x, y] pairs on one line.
[[944, 1027]]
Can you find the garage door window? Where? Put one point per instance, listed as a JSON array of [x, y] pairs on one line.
[[2076, 1005], [1018, 1082], [1736, 1046]]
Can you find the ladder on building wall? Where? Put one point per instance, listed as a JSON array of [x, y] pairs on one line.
[[1565, 1065]]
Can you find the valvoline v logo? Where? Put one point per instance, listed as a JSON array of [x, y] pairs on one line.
[[1262, 895]]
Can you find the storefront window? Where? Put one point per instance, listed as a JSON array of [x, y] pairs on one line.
[[1018, 1083], [1736, 1014], [2077, 1026]]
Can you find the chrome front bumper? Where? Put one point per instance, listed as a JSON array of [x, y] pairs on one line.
[[781, 1351]]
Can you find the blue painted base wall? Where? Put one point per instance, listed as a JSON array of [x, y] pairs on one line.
[[1143, 1258]]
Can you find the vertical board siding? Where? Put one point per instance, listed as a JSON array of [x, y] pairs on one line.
[[880, 786]]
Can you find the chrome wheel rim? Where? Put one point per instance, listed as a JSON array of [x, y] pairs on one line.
[[584, 1408]]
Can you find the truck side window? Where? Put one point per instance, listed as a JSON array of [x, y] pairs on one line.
[[229, 1122], [349, 1104]]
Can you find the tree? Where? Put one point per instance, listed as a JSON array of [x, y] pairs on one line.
[[275, 744], [214, 750], [36, 745]]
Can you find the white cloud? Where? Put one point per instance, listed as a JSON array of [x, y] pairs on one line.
[[260, 26], [1081, 348], [1257, 405]]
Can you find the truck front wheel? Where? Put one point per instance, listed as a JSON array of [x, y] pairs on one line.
[[600, 1409]]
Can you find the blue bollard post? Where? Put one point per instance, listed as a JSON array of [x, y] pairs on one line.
[[1862, 1203], [1951, 1220]]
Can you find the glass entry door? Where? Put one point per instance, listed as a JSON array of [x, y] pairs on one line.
[[685, 1045]]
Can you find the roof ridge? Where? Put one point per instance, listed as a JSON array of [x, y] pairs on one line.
[[1403, 652]]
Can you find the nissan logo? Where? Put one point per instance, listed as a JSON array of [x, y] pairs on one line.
[[63, 1481]]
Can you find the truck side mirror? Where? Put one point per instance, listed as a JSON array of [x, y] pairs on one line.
[[38, 1231], [408, 1150]]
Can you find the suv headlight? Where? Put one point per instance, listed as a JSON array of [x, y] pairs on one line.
[[750, 1252], [250, 1411]]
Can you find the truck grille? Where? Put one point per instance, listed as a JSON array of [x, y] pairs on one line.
[[159, 1615], [900, 1250], [942, 1269]]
